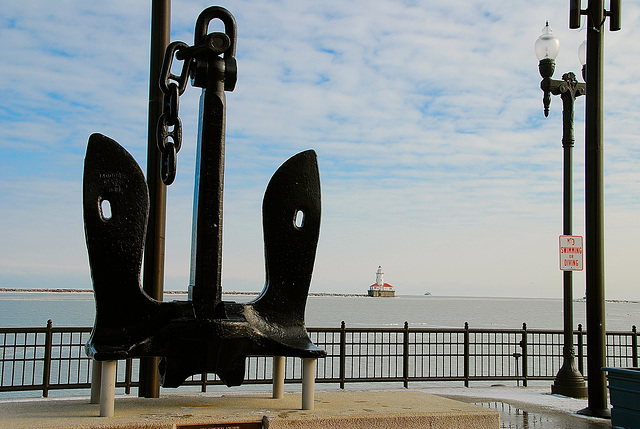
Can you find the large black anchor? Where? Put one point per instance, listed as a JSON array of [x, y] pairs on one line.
[[203, 334]]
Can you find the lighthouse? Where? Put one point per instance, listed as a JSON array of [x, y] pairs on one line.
[[380, 288], [380, 276]]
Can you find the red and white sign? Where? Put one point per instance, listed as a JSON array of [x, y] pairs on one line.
[[571, 253]]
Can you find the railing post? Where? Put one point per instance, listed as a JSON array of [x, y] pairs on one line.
[[466, 354], [203, 382], [580, 350], [46, 370], [96, 374], [405, 356], [128, 370], [634, 344], [343, 353], [523, 344]]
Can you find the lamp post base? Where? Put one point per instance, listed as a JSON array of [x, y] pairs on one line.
[[569, 382], [600, 413], [570, 389]]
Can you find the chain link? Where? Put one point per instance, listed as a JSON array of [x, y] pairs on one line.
[[170, 108], [174, 49], [168, 164], [169, 118]]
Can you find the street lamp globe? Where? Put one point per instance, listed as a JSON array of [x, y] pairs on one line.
[[582, 56], [547, 45], [582, 53]]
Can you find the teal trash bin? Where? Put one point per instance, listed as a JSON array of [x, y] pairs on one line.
[[624, 392]]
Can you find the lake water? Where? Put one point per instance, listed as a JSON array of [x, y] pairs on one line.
[[33, 309]]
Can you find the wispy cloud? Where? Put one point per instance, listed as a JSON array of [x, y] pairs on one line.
[[435, 158]]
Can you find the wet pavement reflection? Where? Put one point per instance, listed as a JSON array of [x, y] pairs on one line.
[[534, 417]]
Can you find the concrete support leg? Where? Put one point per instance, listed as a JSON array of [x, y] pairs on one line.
[[308, 383], [278, 377], [96, 373], [108, 388]]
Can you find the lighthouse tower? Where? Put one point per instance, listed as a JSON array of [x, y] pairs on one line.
[[380, 277], [380, 288]]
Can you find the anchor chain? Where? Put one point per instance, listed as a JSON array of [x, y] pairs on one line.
[[169, 117], [169, 129]]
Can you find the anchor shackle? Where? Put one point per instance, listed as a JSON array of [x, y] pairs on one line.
[[214, 44], [230, 27]]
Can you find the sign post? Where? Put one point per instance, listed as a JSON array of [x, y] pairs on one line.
[[569, 381], [571, 253]]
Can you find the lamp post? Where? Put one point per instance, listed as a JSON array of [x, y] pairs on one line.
[[594, 195], [153, 272], [569, 381]]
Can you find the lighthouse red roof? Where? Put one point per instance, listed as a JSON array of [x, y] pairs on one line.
[[384, 285]]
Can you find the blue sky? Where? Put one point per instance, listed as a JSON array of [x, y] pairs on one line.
[[435, 158]]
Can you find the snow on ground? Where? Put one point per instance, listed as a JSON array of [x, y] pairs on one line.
[[534, 396], [534, 406]]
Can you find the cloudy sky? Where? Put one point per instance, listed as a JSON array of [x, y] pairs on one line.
[[435, 158]]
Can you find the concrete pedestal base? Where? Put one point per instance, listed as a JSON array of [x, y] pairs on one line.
[[361, 410]]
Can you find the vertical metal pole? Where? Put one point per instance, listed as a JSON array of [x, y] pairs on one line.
[[466, 354], [203, 382], [343, 353], [128, 369], [525, 364], [634, 345], [96, 374], [580, 349], [46, 370], [153, 272], [405, 356], [568, 381], [594, 213], [568, 143]]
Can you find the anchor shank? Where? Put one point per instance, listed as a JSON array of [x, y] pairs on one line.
[[205, 289]]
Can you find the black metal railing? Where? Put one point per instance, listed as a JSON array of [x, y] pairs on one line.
[[50, 358]]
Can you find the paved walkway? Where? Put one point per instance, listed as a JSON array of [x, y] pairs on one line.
[[518, 407], [344, 410]]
